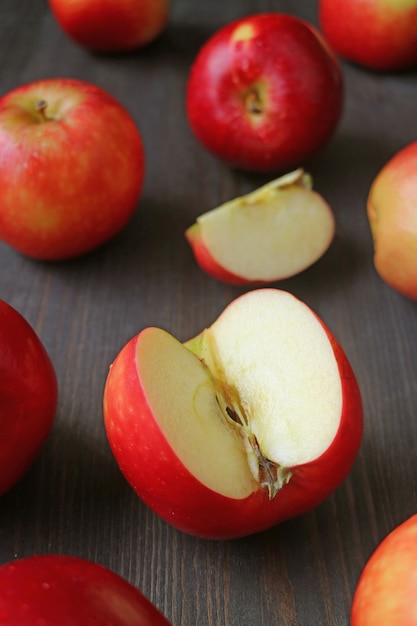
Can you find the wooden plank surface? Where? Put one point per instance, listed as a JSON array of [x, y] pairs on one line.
[[74, 500]]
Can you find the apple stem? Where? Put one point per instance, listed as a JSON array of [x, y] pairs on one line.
[[41, 106], [253, 102]]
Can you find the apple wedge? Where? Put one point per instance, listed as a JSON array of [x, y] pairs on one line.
[[254, 421], [270, 234]]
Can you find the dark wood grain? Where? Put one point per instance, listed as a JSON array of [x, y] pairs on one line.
[[74, 500]]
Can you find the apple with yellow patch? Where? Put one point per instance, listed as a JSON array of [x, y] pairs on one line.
[[254, 421], [392, 213], [267, 235], [387, 588]]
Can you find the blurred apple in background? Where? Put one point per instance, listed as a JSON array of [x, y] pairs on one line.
[[111, 25], [386, 594], [52, 590], [254, 421], [270, 234], [392, 213], [265, 93], [28, 396], [377, 34], [71, 168]]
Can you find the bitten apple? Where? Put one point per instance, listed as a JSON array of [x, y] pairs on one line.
[[377, 34], [58, 589], [386, 593], [28, 396], [71, 168], [254, 421], [270, 234], [265, 93], [392, 213], [113, 25]]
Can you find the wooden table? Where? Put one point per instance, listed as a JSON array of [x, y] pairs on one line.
[[74, 500]]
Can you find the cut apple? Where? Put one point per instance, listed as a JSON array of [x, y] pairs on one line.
[[193, 421], [255, 420], [270, 234]]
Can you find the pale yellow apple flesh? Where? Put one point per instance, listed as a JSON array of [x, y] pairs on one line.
[[255, 394], [272, 233]]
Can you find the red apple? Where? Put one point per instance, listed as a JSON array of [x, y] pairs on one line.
[[386, 594], [265, 93], [377, 34], [54, 589], [28, 396], [392, 213], [270, 234], [71, 168], [111, 25], [254, 421]]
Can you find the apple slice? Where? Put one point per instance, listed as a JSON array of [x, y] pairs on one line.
[[270, 234], [255, 420]]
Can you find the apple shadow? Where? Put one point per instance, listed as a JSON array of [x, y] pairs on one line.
[[178, 44], [151, 250], [336, 270], [353, 157], [73, 495]]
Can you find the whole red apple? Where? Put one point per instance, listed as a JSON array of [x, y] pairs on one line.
[[111, 25], [28, 396], [57, 589], [265, 93], [71, 168], [386, 593], [254, 421], [392, 213], [377, 34]]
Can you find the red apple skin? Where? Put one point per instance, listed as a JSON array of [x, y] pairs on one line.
[[28, 396], [71, 175], [392, 214], [159, 478], [376, 34], [269, 103], [386, 593], [58, 589], [111, 25]]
